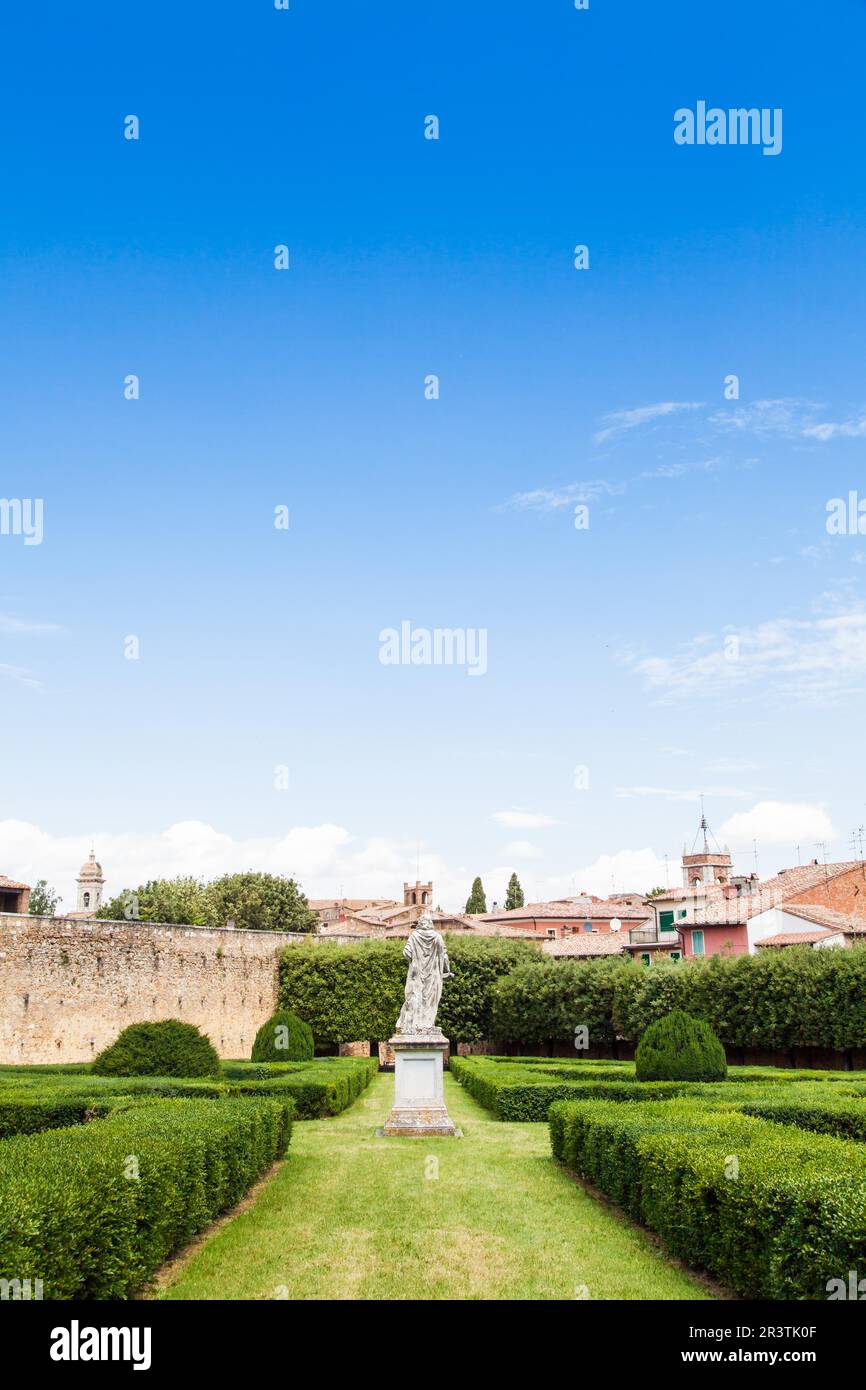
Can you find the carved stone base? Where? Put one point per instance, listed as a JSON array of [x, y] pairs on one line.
[[419, 1093], [420, 1121]]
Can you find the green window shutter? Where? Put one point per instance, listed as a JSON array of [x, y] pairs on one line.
[[666, 921]]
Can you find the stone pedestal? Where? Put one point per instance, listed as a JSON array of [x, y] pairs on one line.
[[419, 1093]]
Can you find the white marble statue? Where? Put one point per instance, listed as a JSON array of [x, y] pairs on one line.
[[428, 967]]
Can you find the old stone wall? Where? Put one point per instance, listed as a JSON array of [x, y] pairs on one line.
[[67, 988]]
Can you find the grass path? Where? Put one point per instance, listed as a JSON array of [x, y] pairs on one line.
[[352, 1216]]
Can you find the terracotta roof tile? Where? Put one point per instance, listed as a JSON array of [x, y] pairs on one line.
[[574, 910], [796, 938], [828, 917], [587, 944]]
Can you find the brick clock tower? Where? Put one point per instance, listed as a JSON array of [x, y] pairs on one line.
[[705, 865]]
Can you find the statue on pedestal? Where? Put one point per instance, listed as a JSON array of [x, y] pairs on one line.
[[428, 967], [419, 1046]]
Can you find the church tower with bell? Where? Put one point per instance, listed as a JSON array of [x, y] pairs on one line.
[[705, 864], [90, 883]]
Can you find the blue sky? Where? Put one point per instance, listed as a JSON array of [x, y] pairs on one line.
[[260, 648]]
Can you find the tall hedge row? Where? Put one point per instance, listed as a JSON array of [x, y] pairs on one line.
[[347, 993], [776, 1000], [506, 990], [547, 1001]]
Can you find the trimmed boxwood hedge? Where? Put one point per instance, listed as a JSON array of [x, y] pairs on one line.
[[845, 1117], [72, 1215], [790, 1216], [25, 1115], [318, 1089], [517, 1094], [524, 1088], [166, 1048], [680, 1047], [284, 1038]]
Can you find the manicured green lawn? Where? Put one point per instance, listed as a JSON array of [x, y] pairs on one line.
[[352, 1216]]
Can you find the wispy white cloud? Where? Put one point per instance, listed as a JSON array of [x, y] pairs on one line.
[[619, 421], [786, 415], [522, 820], [15, 626], [731, 765], [20, 676], [521, 849], [849, 429], [818, 659], [550, 499], [790, 417], [20, 627], [683, 794]]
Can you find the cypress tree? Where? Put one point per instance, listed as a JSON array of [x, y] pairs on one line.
[[476, 901], [514, 896]]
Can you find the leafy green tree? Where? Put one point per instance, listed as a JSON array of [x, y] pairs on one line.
[[44, 900], [655, 892], [476, 901], [259, 902], [514, 897], [180, 900]]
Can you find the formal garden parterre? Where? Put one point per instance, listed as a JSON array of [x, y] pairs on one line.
[[752, 1175], [759, 1179], [103, 1177]]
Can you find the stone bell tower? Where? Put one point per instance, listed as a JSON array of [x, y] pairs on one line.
[[90, 883]]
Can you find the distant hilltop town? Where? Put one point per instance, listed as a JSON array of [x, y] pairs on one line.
[[713, 912], [69, 983]]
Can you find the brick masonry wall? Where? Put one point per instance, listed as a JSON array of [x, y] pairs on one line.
[[844, 893], [67, 988]]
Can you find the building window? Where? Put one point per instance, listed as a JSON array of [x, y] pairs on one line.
[[675, 955], [86, 899], [697, 943], [647, 958], [551, 931], [666, 921], [587, 926]]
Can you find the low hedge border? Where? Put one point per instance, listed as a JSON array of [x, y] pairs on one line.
[[318, 1089], [845, 1118], [525, 1093], [73, 1215], [788, 1218]]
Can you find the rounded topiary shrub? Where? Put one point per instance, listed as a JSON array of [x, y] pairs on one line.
[[680, 1047], [284, 1038], [168, 1048]]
